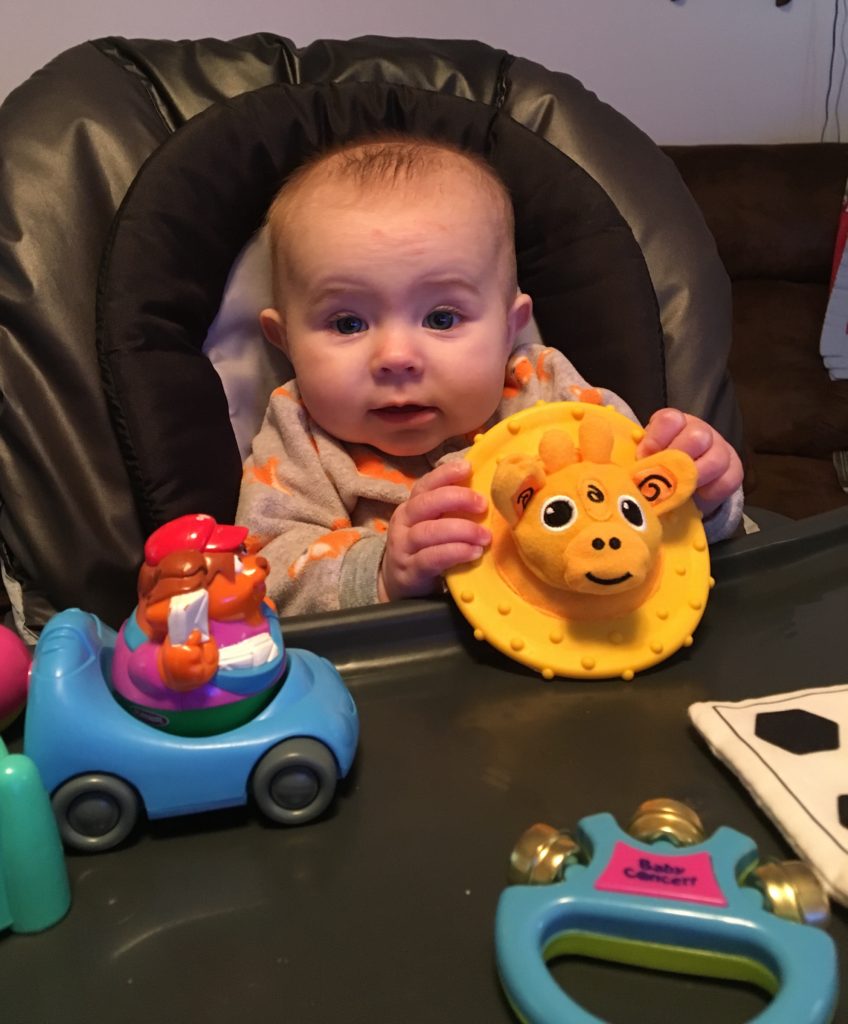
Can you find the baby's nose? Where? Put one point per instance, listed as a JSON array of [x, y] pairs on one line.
[[397, 352]]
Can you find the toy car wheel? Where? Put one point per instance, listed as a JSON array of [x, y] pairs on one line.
[[294, 781], [95, 812]]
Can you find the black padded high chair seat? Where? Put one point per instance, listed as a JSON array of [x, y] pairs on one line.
[[113, 418]]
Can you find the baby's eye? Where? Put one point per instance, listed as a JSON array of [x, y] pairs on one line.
[[348, 324], [441, 319]]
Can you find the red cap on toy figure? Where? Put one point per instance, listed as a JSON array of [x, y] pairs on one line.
[[192, 533]]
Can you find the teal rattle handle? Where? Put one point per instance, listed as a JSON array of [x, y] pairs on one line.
[[795, 962]]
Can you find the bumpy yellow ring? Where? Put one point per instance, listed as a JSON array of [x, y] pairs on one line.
[[555, 645]]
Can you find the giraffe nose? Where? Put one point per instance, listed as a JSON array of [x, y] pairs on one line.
[[599, 543]]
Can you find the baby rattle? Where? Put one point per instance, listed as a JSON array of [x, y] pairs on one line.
[[663, 896]]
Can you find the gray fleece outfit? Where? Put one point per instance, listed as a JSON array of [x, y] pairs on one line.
[[320, 507]]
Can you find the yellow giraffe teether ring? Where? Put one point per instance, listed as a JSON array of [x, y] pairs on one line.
[[599, 564]]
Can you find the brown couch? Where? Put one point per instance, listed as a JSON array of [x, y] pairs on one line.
[[774, 211]]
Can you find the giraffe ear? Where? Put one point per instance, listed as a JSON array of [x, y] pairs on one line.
[[517, 478], [665, 479]]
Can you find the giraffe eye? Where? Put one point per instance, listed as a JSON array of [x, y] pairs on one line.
[[558, 513], [631, 510]]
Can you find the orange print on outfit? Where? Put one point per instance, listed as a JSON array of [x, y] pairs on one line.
[[331, 545], [520, 374], [541, 367], [590, 395], [283, 392], [370, 465], [265, 473]]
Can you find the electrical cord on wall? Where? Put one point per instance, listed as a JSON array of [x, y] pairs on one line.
[[838, 6], [844, 66]]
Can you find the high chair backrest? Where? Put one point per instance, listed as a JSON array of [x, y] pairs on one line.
[[133, 173]]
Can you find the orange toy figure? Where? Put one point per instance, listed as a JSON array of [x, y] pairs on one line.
[[202, 651], [599, 563]]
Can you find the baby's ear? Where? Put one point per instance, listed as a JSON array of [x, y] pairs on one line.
[[274, 329], [519, 313]]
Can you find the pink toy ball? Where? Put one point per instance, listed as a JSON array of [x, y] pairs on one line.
[[15, 660]]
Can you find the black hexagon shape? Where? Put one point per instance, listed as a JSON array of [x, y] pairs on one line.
[[798, 731], [842, 809]]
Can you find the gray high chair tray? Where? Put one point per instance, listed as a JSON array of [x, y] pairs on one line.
[[384, 909]]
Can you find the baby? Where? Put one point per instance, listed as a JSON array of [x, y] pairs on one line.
[[397, 303]]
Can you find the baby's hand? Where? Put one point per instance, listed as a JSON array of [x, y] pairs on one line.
[[719, 467], [429, 533]]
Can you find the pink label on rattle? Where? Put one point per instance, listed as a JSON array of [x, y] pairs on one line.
[[685, 876]]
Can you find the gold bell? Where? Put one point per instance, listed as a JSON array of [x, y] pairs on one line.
[[668, 819], [792, 891], [541, 856]]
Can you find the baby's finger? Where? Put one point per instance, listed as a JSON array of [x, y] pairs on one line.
[[711, 495], [696, 439], [447, 500], [434, 561], [713, 464], [454, 471], [435, 533], [663, 427]]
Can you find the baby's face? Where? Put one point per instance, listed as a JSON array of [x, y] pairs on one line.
[[396, 315]]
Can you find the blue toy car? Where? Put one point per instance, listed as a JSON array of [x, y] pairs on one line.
[[103, 766]]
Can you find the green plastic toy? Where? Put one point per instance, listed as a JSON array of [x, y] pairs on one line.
[[34, 889]]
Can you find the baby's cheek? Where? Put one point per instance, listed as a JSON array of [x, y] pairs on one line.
[[490, 389], [324, 396]]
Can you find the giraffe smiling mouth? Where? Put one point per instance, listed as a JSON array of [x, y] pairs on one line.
[[611, 582]]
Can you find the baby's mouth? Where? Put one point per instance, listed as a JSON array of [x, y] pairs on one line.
[[408, 413]]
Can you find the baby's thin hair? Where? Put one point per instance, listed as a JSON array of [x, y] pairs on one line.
[[386, 162]]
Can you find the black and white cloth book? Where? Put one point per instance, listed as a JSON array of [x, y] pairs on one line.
[[791, 752]]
